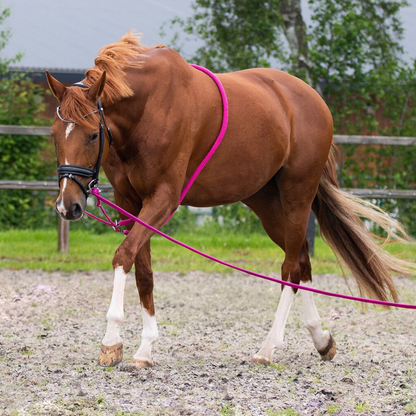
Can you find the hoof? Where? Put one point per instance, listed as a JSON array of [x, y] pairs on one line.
[[258, 359], [111, 356], [142, 363], [328, 353]]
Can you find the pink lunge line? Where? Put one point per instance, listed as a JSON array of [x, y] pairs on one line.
[[132, 218], [96, 193]]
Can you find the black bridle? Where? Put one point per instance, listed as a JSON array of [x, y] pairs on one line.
[[69, 171]]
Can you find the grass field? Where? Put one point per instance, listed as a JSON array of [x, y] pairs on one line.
[[37, 249]]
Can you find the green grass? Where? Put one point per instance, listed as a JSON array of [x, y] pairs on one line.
[[25, 249], [286, 412], [362, 407]]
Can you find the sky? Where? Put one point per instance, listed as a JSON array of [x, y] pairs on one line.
[[67, 34]]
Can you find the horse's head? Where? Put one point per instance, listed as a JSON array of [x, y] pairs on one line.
[[79, 136]]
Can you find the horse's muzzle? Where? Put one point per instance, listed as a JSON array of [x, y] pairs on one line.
[[73, 213]]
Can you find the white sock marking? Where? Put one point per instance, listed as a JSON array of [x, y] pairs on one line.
[[115, 314], [149, 336], [275, 338], [312, 319]]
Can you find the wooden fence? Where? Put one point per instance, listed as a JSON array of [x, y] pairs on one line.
[[63, 226]]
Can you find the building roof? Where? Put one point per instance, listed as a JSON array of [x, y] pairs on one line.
[[66, 35]]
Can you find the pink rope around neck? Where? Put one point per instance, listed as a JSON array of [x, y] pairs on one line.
[[201, 166], [96, 193], [220, 135], [218, 140]]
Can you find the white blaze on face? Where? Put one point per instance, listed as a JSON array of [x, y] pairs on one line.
[[61, 207], [68, 130]]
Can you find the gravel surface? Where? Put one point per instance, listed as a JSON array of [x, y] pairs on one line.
[[51, 326]]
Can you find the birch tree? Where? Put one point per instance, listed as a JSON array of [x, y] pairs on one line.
[[294, 29]]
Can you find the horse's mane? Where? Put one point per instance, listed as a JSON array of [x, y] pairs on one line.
[[113, 59]]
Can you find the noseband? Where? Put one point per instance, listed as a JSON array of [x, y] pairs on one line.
[[69, 171]]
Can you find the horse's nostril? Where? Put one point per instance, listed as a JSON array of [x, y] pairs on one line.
[[76, 211]]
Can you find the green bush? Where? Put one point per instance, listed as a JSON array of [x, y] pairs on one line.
[[21, 157]]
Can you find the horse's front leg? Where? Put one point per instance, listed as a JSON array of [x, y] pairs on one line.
[[136, 245], [112, 344], [144, 282]]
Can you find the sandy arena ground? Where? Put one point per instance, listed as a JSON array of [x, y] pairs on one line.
[[51, 326]]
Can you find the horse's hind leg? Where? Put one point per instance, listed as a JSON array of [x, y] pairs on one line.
[[267, 206], [280, 224], [323, 341], [144, 282]]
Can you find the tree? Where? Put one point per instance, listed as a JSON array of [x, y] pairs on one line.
[[294, 28], [235, 34], [356, 52], [21, 103]]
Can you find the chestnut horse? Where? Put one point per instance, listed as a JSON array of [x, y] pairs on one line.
[[164, 116]]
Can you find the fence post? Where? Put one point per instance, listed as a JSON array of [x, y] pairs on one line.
[[63, 235]]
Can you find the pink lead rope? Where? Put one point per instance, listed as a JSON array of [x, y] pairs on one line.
[[132, 218]]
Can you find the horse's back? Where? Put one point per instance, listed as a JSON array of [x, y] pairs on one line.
[[278, 114], [275, 120], [294, 99]]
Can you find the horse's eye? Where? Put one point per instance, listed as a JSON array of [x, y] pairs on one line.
[[93, 137]]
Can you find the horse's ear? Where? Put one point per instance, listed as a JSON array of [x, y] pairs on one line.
[[56, 87], [96, 89]]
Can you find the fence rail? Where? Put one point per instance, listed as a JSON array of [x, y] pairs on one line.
[[26, 130], [339, 139], [63, 226], [52, 186], [41, 185], [375, 140]]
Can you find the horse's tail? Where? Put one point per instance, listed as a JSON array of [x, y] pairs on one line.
[[338, 214]]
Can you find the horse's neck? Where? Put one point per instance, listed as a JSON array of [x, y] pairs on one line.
[[171, 115], [159, 96]]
